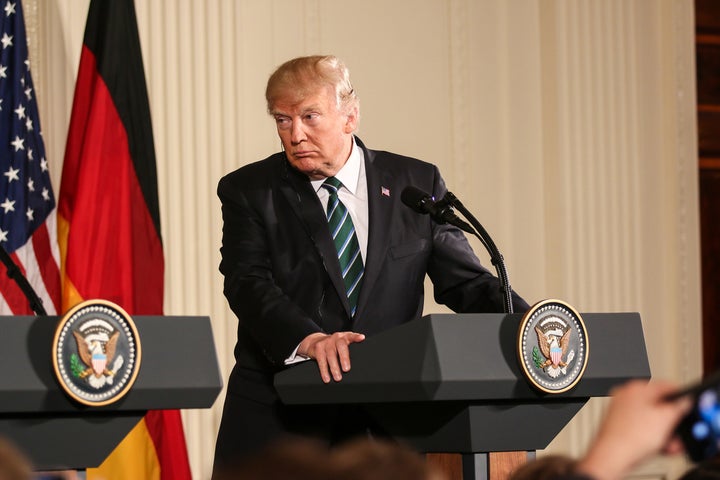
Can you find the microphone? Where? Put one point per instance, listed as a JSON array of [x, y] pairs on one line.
[[441, 211]]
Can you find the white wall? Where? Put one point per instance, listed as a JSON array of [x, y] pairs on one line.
[[566, 127]]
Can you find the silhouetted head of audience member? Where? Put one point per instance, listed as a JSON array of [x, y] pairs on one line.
[[359, 459], [287, 459], [365, 459], [13, 463], [545, 468]]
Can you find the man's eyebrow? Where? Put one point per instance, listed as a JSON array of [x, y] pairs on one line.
[[309, 108]]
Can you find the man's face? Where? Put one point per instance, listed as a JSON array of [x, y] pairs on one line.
[[317, 136]]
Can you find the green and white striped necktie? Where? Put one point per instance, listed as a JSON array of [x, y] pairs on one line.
[[346, 242]]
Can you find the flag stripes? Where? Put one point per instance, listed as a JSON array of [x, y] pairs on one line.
[[27, 204]]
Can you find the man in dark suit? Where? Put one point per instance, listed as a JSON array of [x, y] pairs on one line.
[[318, 251]]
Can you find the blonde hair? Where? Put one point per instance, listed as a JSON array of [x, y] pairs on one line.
[[302, 76]]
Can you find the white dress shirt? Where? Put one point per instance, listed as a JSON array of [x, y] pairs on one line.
[[353, 194]]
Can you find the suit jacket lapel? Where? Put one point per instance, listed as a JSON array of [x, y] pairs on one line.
[[380, 207], [298, 192]]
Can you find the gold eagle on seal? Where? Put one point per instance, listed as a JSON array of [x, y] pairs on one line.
[[96, 355], [553, 347]]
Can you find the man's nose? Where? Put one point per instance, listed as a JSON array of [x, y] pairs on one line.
[[297, 133]]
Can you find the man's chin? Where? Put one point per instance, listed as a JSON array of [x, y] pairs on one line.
[[309, 168]]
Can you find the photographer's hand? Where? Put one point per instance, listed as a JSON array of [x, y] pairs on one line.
[[639, 423]]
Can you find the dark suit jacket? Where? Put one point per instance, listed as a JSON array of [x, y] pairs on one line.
[[283, 280]]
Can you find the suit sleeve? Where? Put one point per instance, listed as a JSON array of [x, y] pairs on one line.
[[459, 279], [264, 311]]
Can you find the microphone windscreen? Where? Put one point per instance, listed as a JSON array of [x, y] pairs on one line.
[[416, 199]]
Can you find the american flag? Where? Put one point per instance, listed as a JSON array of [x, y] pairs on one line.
[[27, 205]]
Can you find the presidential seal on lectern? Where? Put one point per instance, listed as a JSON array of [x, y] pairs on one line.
[[552, 346], [96, 352]]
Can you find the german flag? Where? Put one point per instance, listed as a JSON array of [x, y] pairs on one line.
[[109, 218]]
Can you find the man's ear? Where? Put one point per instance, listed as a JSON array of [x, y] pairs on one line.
[[351, 120]]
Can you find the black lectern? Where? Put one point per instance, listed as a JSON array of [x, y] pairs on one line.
[[452, 382], [179, 370]]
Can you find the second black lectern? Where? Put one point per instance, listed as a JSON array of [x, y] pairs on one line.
[[179, 370], [453, 383]]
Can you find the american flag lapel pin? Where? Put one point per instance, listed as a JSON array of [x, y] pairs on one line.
[[385, 191]]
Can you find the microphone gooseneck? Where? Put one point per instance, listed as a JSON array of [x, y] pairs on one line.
[[442, 212], [496, 257], [14, 272]]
